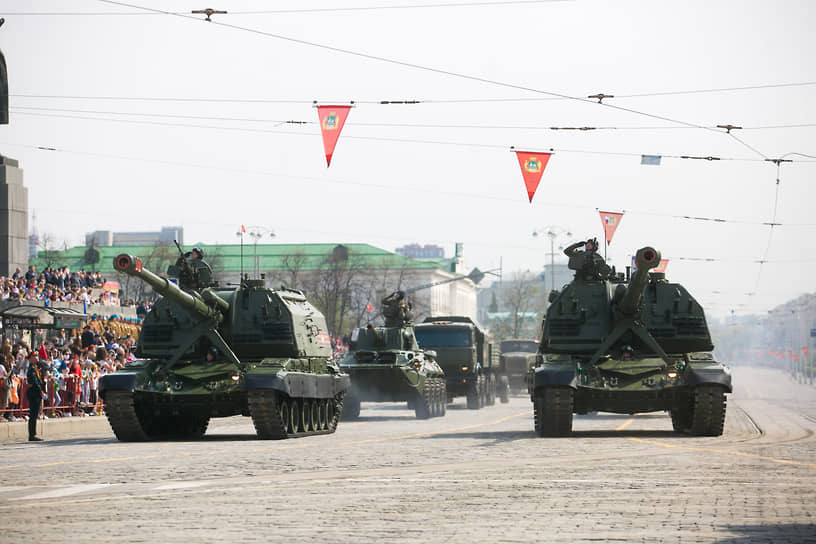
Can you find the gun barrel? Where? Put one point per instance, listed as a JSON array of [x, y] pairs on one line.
[[211, 306], [645, 259]]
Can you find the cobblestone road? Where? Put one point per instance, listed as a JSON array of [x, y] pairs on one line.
[[472, 476]]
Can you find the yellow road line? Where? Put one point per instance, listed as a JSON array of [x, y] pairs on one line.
[[625, 424], [726, 452]]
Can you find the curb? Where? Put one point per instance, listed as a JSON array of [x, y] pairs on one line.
[[14, 431]]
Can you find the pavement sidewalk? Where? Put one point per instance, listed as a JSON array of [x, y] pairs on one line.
[[16, 431]]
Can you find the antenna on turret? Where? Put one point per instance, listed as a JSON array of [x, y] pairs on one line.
[[241, 234]]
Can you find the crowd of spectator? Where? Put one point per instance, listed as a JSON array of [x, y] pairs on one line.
[[72, 367], [57, 285]]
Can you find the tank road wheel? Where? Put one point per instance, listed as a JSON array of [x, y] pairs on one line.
[[422, 406], [314, 415], [351, 408], [306, 416], [267, 414], [708, 413], [283, 414], [122, 416], [320, 406], [294, 416], [552, 408], [335, 408]]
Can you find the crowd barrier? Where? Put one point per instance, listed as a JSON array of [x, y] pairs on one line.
[[69, 399]]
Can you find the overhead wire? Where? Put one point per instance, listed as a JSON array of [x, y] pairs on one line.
[[578, 127], [307, 10], [410, 101], [383, 139], [476, 79], [434, 191]]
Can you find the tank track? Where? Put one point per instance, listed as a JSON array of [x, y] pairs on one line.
[[121, 412], [277, 416], [708, 414], [129, 426], [552, 410]]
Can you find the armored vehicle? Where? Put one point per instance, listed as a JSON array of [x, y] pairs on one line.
[[463, 352], [626, 344], [386, 365], [208, 352], [517, 359]]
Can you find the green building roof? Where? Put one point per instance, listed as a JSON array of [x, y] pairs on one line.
[[227, 257]]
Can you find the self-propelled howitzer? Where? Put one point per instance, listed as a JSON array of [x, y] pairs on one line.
[[207, 352], [626, 345]]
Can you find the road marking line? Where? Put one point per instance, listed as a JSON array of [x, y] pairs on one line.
[[625, 424], [180, 485], [727, 452], [64, 492]]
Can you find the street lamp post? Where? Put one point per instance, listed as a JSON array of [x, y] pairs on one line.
[[553, 232], [257, 232]]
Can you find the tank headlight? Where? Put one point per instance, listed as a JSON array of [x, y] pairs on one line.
[[417, 364], [235, 377], [671, 375], [465, 368]]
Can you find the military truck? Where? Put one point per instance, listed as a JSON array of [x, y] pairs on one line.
[[206, 351], [517, 359], [387, 365], [467, 357], [626, 344]]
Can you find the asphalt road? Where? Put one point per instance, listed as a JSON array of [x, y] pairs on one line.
[[472, 476]]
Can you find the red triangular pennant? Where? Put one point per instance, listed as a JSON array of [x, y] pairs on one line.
[[610, 221], [532, 167], [332, 119]]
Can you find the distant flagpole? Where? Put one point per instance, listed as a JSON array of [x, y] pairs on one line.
[[243, 230]]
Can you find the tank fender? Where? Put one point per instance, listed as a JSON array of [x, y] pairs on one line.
[[119, 381], [545, 377], [296, 384], [710, 375]]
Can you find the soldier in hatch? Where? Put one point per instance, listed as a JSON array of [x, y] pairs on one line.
[[586, 262], [397, 310]]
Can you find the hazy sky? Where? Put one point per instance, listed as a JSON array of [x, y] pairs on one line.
[[212, 148]]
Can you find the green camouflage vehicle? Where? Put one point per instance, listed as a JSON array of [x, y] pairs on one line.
[[517, 359], [386, 365], [626, 345], [207, 352], [467, 357]]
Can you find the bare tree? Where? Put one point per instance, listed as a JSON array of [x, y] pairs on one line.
[[292, 267], [49, 248], [332, 286], [157, 261], [521, 296]]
